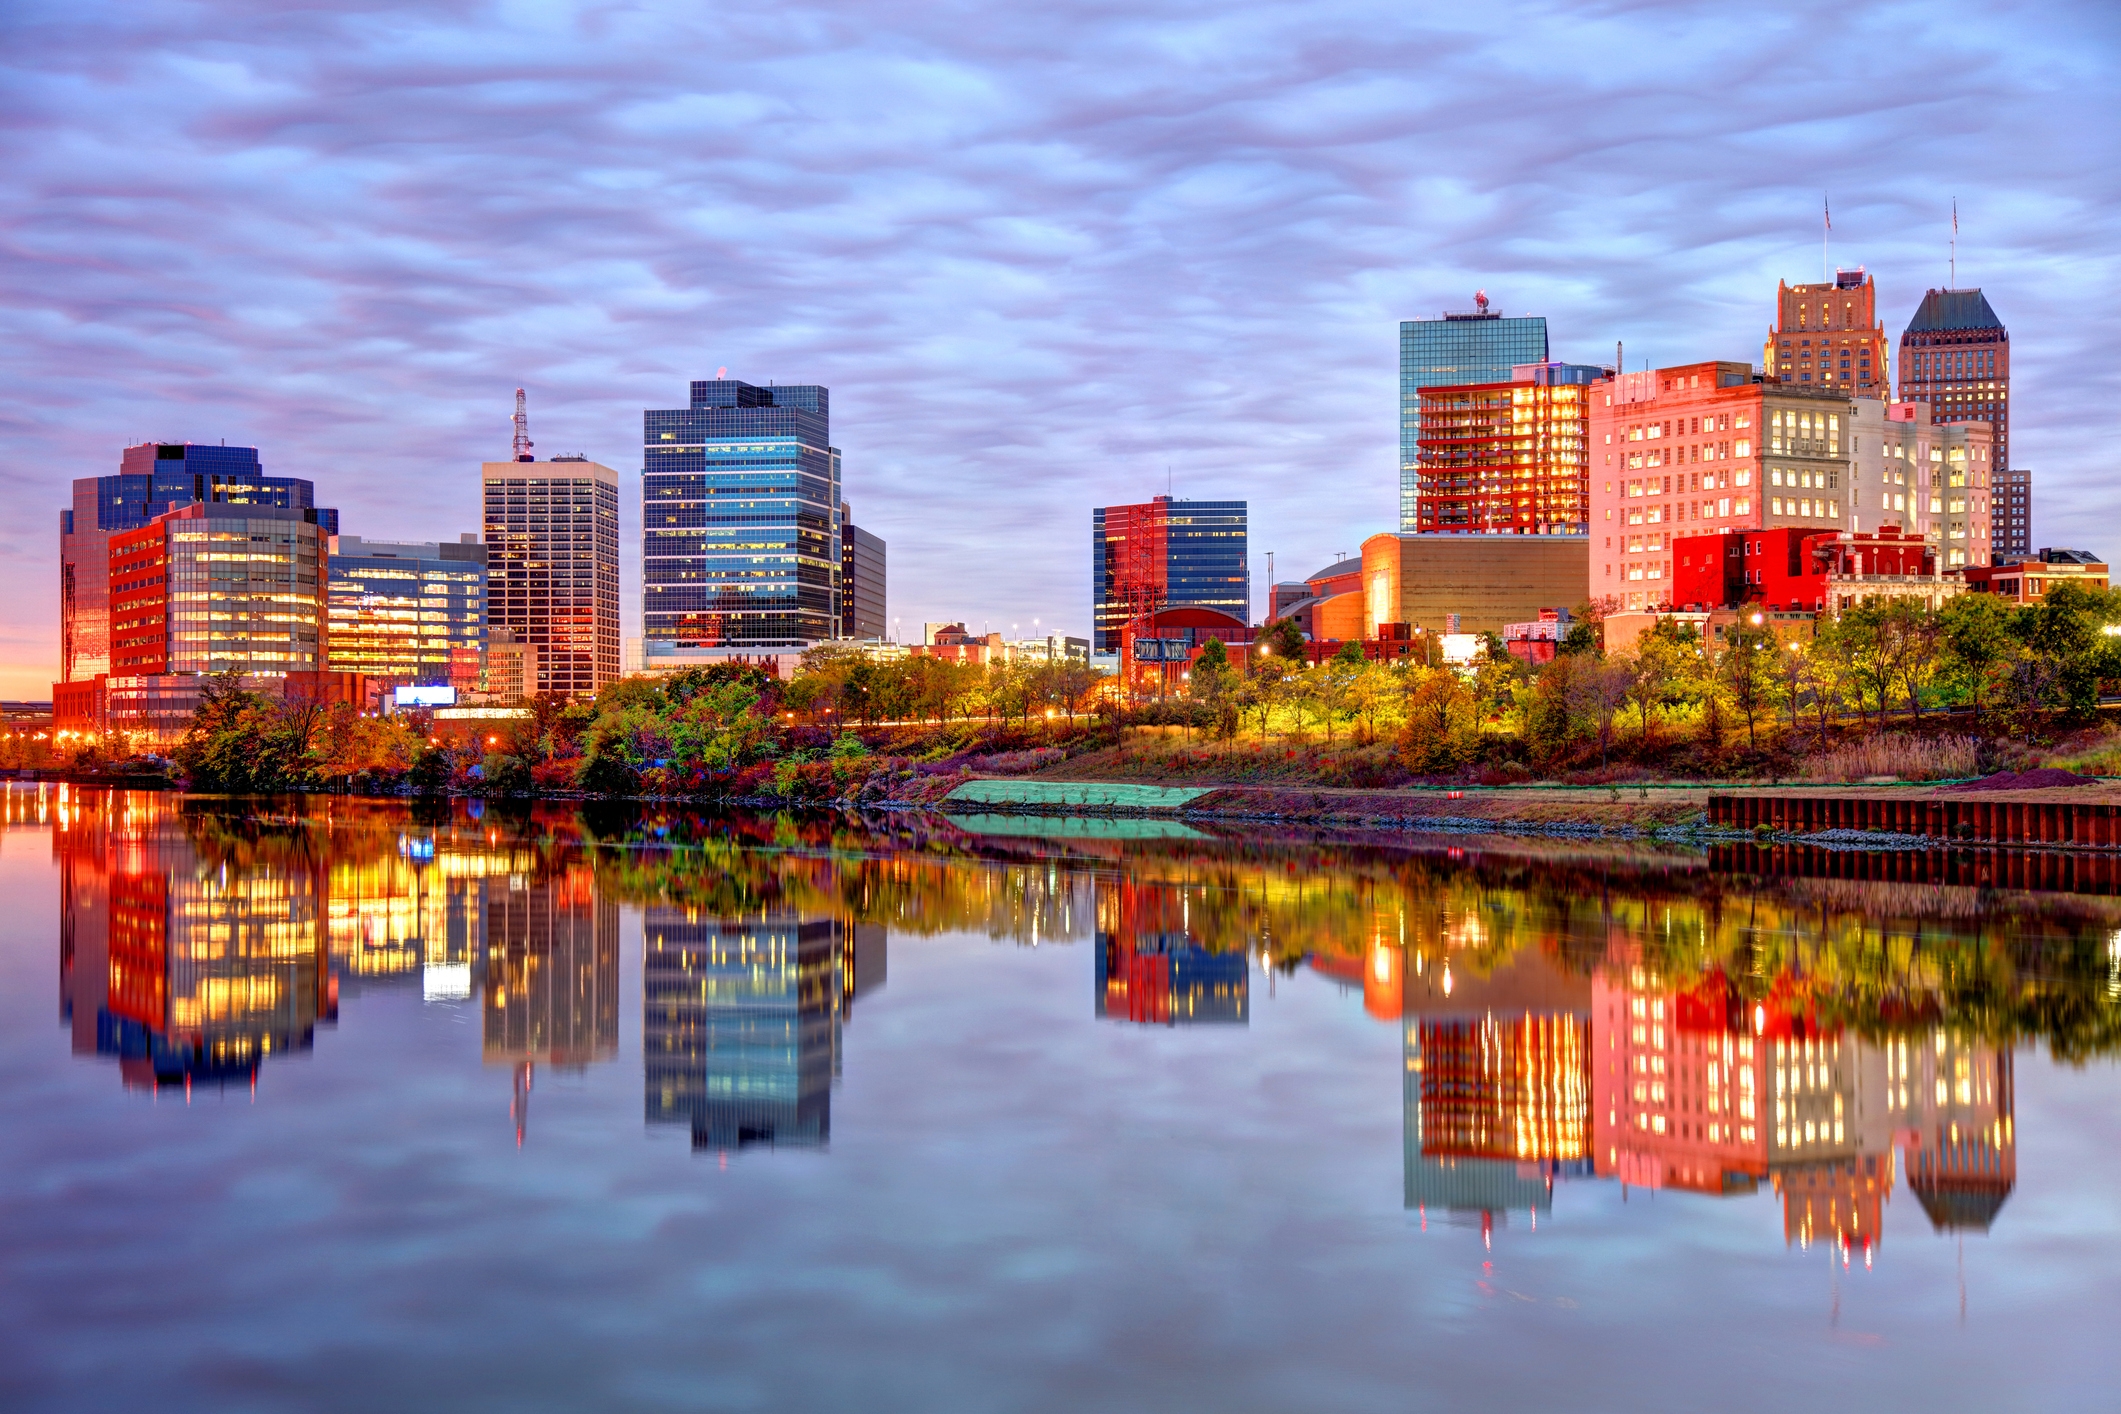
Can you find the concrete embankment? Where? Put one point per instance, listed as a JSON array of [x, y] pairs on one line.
[[1895, 816]]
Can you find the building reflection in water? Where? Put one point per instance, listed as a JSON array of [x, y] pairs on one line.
[[1153, 969], [741, 1021], [1697, 1089], [189, 965], [550, 947], [195, 945], [1498, 1085]]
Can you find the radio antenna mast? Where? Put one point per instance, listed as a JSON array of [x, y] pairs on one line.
[[522, 425]]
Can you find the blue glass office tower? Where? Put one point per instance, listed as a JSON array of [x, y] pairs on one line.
[[1162, 554], [740, 539], [152, 478], [1450, 352]]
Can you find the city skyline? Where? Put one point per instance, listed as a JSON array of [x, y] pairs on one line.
[[1073, 298]]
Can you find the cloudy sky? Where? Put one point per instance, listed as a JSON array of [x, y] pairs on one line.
[[1046, 256]]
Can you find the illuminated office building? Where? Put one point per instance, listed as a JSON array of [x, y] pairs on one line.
[[408, 613], [863, 603], [552, 566], [1955, 355], [740, 515], [1829, 335], [212, 588], [151, 478], [1458, 350], [1507, 458]]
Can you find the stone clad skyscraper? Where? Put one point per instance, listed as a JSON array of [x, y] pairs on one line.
[[1829, 335], [1956, 356], [552, 566]]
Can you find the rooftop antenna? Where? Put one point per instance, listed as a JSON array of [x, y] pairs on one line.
[[1955, 243], [522, 426], [1480, 301]]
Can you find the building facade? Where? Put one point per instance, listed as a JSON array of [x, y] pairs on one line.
[[1457, 350], [1424, 582], [2027, 580], [2010, 502], [1956, 356], [1706, 449], [552, 566], [1927, 477], [740, 501], [1507, 458], [152, 478], [407, 613], [1829, 335], [863, 605], [214, 588], [1166, 554]]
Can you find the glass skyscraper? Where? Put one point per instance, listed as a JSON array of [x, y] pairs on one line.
[[740, 542], [1453, 351], [408, 613], [152, 478], [1163, 554]]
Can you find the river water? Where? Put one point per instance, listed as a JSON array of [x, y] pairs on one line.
[[331, 1105]]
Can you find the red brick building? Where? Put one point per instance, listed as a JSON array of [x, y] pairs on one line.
[[1829, 335], [2027, 581], [1793, 568]]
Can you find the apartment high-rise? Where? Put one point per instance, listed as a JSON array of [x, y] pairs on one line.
[[1956, 356], [152, 478], [1508, 458], [862, 580], [1829, 334], [1457, 350], [552, 566], [2010, 502], [740, 543], [408, 613], [1162, 554]]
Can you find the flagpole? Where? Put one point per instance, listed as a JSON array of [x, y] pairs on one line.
[[1826, 230], [1955, 243]]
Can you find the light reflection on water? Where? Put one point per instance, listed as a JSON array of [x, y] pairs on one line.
[[1578, 1031]]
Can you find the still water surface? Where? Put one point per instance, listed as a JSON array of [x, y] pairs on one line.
[[339, 1106]]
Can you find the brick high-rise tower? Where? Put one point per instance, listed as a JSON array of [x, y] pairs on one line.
[[1829, 335]]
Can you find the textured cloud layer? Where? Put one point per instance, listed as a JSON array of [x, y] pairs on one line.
[[1044, 256]]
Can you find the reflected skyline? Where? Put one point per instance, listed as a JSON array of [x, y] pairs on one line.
[[741, 1022], [1634, 1018]]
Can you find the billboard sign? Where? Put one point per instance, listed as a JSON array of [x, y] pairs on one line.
[[442, 696]]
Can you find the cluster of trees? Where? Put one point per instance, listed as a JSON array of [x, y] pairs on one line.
[[734, 730], [847, 685], [1897, 658]]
